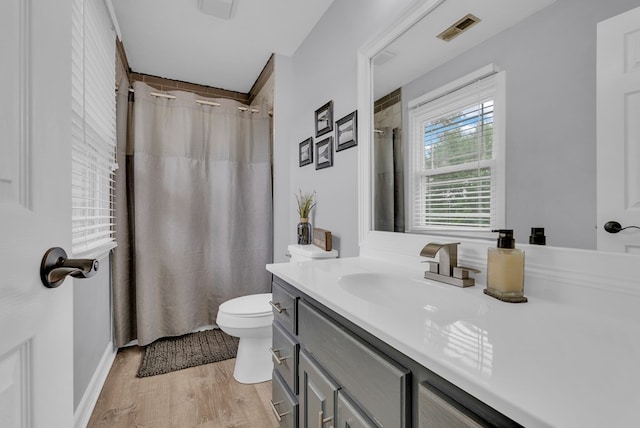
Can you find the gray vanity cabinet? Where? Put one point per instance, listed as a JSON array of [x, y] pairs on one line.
[[330, 373], [318, 394]]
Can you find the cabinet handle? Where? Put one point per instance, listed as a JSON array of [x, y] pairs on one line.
[[277, 358], [277, 307], [321, 421], [277, 414]]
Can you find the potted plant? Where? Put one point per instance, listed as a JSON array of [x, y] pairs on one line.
[[305, 205]]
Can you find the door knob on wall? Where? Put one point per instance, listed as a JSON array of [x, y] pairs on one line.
[[56, 266], [615, 227]]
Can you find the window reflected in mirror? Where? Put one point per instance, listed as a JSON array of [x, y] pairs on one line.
[[454, 157]]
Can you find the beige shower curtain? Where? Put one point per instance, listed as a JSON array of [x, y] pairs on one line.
[[388, 181], [193, 212]]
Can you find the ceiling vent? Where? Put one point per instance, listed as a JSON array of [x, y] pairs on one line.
[[383, 57], [459, 27], [222, 9]]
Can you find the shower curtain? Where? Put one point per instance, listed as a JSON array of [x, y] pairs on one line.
[[388, 181], [383, 180], [193, 213]]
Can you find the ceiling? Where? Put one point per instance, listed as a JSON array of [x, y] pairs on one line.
[[173, 39], [418, 50]]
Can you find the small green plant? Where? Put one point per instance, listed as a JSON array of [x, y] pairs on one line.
[[305, 203]]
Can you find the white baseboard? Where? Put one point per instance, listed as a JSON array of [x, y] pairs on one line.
[[91, 394]]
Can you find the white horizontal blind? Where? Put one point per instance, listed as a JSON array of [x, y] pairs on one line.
[[93, 127], [454, 160]]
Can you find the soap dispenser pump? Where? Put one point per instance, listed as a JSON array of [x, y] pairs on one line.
[[505, 269]]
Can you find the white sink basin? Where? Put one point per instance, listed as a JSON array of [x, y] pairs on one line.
[[408, 294], [387, 290], [380, 284]]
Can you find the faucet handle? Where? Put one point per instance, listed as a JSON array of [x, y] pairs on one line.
[[434, 267], [463, 272]]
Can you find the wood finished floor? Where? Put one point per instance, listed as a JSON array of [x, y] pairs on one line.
[[203, 396]]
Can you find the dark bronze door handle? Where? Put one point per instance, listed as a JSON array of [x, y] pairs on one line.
[[56, 266]]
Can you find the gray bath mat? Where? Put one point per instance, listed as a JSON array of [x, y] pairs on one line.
[[177, 353]]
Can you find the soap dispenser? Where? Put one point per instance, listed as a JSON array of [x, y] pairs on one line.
[[505, 269]]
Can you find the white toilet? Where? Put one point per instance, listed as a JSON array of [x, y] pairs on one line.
[[249, 318]]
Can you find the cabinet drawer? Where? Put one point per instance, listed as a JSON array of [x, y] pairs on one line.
[[438, 412], [283, 404], [284, 308], [443, 405], [378, 384], [285, 356], [349, 416]]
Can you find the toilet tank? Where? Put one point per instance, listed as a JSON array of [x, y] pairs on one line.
[[301, 253]]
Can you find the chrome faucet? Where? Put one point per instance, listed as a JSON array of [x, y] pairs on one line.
[[446, 269]]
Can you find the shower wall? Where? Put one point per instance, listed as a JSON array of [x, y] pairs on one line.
[[387, 111]]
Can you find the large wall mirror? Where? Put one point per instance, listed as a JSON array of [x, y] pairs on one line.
[[547, 51]]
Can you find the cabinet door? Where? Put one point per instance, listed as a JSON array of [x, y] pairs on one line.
[[318, 394], [349, 416], [379, 384]]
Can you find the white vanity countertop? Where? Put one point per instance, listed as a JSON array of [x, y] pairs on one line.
[[541, 363]]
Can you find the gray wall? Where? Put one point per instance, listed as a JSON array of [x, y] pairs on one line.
[[550, 60], [91, 326], [540, 64], [322, 69], [283, 102]]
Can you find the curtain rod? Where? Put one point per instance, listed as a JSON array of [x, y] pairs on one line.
[[204, 102]]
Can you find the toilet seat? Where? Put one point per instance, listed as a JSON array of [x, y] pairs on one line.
[[248, 306], [250, 311]]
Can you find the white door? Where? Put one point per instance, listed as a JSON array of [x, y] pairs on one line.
[[618, 135], [36, 342]]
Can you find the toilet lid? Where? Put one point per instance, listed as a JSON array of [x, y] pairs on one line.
[[248, 306]]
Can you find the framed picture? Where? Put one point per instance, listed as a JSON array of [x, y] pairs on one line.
[[347, 131], [324, 153], [324, 119], [305, 152]]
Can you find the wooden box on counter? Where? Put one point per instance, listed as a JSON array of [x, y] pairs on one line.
[[322, 239]]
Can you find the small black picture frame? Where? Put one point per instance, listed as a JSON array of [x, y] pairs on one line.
[[324, 119], [324, 153], [305, 152], [347, 131]]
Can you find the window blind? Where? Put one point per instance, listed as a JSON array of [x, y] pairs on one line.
[[93, 128], [454, 160]]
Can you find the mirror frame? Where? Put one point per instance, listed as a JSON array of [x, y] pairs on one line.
[[403, 243]]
